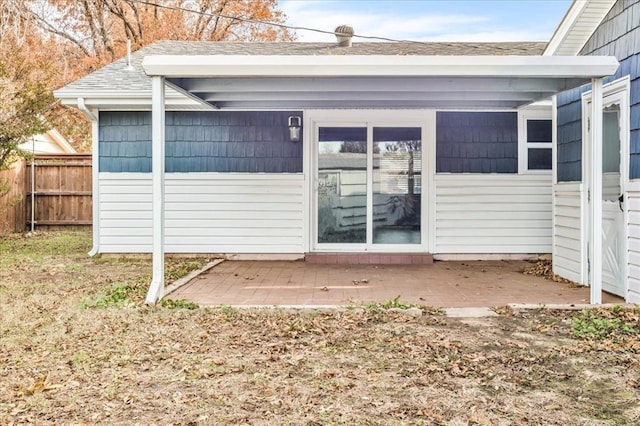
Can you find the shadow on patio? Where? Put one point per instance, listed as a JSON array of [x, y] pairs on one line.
[[443, 284]]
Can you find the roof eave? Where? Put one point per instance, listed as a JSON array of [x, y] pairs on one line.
[[377, 65], [129, 99], [577, 26]]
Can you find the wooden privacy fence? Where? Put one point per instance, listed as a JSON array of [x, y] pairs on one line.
[[60, 194], [12, 198], [62, 189]]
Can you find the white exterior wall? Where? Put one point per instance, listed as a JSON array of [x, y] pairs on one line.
[[490, 213], [263, 213], [205, 213], [567, 232], [51, 142], [633, 267], [125, 212]]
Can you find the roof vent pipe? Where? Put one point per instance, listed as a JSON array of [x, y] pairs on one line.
[[129, 66], [344, 34]]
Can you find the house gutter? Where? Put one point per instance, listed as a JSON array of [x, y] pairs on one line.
[[95, 188], [553, 67], [121, 98]]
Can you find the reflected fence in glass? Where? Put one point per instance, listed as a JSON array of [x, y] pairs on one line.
[[342, 185], [397, 185], [611, 189]]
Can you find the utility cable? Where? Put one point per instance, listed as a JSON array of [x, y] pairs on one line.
[[274, 24]]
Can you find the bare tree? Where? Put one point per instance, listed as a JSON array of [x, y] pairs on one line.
[[83, 35], [13, 25], [98, 28]]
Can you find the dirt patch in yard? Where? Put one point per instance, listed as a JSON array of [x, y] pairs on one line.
[[78, 347]]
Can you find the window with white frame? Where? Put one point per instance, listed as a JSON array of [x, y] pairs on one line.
[[535, 144]]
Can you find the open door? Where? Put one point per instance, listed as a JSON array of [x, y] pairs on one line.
[[615, 140], [613, 239]]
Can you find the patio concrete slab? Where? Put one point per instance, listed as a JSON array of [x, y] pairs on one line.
[[442, 284], [469, 312]]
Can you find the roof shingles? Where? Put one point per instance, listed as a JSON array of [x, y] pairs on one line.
[[115, 77]]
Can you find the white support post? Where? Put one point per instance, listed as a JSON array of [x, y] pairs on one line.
[[595, 188], [95, 185], [156, 289], [92, 114]]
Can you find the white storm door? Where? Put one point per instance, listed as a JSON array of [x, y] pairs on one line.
[[613, 247]]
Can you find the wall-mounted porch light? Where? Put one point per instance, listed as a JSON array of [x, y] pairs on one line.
[[295, 123]]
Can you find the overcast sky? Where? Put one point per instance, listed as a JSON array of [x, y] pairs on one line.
[[429, 20]]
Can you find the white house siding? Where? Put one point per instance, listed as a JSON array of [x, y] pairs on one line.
[[205, 213], [125, 212], [633, 267], [567, 249], [493, 213], [50, 142], [41, 144]]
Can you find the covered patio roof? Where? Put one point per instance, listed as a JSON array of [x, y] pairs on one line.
[[308, 81], [365, 81]]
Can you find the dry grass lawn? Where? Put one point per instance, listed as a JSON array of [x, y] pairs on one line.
[[78, 347]]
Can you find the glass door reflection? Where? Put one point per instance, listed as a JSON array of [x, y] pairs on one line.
[[342, 185], [397, 185]]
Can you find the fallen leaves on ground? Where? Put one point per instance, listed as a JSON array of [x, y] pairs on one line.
[[544, 268], [41, 384], [131, 364]]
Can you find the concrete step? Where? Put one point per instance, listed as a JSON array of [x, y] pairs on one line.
[[370, 258]]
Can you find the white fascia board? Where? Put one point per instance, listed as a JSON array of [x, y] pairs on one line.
[[85, 93], [61, 141], [544, 104], [188, 95], [567, 24], [578, 24], [378, 65], [102, 100]]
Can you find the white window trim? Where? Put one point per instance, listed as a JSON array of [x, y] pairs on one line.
[[426, 119], [523, 147]]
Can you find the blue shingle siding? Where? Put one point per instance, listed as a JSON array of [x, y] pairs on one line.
[[477, 142], [244, 142], [634, 164], [618, 35], [569, 136], [125, 141]]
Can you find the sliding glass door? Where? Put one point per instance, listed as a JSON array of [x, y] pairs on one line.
[[368, 187], [397, 179], [342, 185]]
